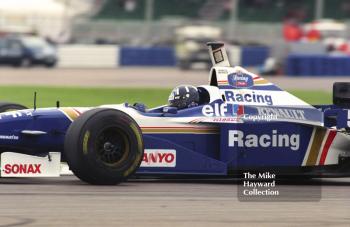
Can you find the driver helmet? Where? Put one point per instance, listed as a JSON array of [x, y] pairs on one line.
[[184, 96]]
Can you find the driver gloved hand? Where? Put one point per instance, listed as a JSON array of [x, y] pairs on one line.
[[140, 107]]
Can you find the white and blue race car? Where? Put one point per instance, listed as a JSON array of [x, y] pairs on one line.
[[239, 122]]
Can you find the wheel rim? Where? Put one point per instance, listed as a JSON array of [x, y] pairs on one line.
[[112, 146]]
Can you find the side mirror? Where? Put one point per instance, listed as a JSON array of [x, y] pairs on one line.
[[170, 109]]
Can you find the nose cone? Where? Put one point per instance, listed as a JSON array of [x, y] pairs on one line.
[[33, 130]]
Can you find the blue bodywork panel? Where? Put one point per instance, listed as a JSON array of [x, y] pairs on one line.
[[195, 154], [274, 144], [52, 122]]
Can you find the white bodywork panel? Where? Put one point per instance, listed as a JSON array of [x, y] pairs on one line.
[[23, 165], [279, 97]]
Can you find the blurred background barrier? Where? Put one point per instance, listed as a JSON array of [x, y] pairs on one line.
[[111, 56], [253, 55], [317, 65], [89, 56], [147, 56], [269, 36]]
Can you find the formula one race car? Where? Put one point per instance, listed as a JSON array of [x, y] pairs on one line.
[[239, 121]]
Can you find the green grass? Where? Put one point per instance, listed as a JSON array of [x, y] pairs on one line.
[[313, 97], [47, 96]]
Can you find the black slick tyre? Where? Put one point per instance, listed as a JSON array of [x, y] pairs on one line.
[[103, 146], [9, 106]]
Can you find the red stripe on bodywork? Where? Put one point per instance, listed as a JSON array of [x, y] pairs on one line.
[[256, 78], [77, 111], [176, 127], [328, 143]]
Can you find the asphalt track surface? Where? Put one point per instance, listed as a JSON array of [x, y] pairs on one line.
[[66, 201], [141, 77]]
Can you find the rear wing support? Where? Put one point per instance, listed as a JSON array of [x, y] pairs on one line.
[[218, 54]]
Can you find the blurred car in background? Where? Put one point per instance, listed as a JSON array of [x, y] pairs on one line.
[[190, 44], [25, 51]]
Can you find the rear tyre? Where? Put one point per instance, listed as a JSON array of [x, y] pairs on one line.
[[9, 106], [103, 146]]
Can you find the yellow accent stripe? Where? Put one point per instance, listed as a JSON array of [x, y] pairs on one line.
[[263, 81], [72, 114], [309, 146], [316, 146], [85, 142], [181, 130], [137, 134]]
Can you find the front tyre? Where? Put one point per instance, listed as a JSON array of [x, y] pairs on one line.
[[103, 146], [10, 106]]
